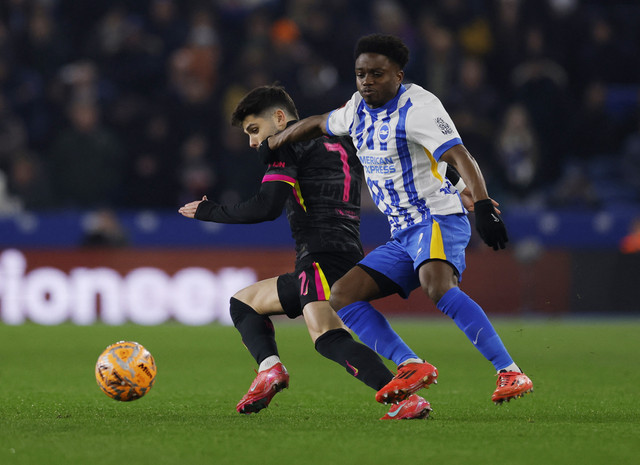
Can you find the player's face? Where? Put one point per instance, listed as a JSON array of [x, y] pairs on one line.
[[259, 127], [377, 78]]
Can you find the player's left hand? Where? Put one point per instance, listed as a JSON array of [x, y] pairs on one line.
[[489, 224], [467, 201], [189, 209]]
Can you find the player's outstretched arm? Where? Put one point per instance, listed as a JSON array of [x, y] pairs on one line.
[[266, 205], [305, 129]]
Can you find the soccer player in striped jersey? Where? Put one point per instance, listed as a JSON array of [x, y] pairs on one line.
[[319, 184], [405, 139]]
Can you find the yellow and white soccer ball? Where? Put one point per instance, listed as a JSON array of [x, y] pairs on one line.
[[125, 371]]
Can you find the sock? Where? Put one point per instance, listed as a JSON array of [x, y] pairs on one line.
[[471, 319], [268, 362], [374, 330], [257, 331], [512, 367], [359, 361]]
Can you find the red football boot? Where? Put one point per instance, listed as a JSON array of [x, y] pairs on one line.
[[264, 387], [411, 377], [511, 385], [413, 407]]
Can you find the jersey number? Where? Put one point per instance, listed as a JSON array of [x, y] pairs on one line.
[[344, 158]]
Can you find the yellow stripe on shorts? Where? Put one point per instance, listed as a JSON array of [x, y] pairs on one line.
[[436, 249], [321, 282]]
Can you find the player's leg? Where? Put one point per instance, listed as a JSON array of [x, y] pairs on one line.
[[331, 338], [334, 342], [439, 279], [351, 296], [250, 309], [368, 281]]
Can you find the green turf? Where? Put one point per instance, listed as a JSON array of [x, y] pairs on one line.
[[584, 409]]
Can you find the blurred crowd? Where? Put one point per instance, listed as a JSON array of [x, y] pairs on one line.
[[126, 104]]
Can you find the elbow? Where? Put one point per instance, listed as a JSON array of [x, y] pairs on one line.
[[272, 213]]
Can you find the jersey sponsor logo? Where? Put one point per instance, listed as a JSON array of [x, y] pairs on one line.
[[383, 132], [444, 126], [374, 164]]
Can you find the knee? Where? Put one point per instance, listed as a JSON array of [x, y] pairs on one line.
[[340, 297], [436, 290]]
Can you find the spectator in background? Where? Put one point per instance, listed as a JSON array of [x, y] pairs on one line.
[[188, 59], [539, 83], [198, 175], [28, 182], [239, 184], [474, 107], [595, 132], [152, 165], [87, 160], [605, 54], [439, 58], [166, 27], [102, 228], [13, 134], [517, 150]]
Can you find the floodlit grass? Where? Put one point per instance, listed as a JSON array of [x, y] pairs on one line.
[[584, 409]]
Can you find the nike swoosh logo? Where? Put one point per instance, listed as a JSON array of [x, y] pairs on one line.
[[477, 335], [393, 414], [495, 218], [355, 370]]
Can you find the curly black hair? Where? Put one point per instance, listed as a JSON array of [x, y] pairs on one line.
[[384, 44], [261, 99]]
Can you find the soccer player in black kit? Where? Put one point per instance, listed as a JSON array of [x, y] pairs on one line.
[[319, 183]]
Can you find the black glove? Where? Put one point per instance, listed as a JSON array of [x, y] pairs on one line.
[[265, 153], [489, 225]]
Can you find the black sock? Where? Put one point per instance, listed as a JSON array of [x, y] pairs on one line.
[[359, 360], [257, 331]]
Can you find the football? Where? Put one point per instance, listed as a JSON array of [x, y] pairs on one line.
[[125, 371]]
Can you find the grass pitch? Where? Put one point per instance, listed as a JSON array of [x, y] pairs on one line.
[[584, 409]]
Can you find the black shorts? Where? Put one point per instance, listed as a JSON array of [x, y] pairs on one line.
[[312, 280]]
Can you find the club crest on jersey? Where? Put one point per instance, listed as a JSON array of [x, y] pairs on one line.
[[444, 126], [383, 132]]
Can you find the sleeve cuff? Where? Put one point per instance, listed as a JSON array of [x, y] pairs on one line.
[[327, 125], [446, 146]]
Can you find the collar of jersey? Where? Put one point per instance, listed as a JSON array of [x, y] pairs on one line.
[[390, 104]]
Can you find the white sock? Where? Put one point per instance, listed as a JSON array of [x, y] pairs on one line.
[[268, 362], [412, 360], [512, 367]]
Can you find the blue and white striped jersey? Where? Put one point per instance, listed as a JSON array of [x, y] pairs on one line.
[[399, 145]]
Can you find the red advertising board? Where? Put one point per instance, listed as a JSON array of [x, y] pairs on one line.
[[194, 286]]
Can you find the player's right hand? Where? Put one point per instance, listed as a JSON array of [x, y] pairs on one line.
[[189, 209]]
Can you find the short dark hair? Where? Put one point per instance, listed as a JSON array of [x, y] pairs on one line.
[[261, 99], [384, 44]]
